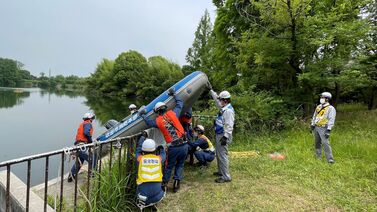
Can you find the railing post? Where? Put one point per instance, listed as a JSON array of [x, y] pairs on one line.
[[99, 171], [75, 178], [119, 160], [90, 166], [28, 185], [46, 184], [110, 161], [61, 182], [7, 209], [111, 158]]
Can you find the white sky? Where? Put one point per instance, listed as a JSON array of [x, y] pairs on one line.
[[72, 36]]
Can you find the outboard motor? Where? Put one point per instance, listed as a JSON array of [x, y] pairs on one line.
[[111, 123]]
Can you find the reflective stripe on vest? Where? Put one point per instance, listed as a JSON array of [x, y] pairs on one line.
[[321, 116], [210, 146], [170, 126], [150, 169], [80, 136], [219, 122]]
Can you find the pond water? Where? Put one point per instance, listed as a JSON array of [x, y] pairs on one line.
[[34, 121]]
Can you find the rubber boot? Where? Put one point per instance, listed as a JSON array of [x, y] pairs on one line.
[[164, 186], [191, 162], [176, 186], [71, 177]]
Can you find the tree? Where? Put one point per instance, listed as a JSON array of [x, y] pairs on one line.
[[128, 69], [292, 48], [12, 73], [101, 79], [199, 55]]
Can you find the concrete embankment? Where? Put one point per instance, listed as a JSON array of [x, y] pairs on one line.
[[18, 195]]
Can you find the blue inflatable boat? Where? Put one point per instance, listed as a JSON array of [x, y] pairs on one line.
[[188, 89]]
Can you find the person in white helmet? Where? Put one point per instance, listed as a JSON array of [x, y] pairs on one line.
[[83, 136], [202, 147], [168, 123], [149, 173], [224, 129], [321, 125], [132, 108]]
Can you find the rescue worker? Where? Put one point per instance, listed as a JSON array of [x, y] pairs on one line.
[[186, 120], [149, 172], [223, 128], [132, 108], [322, 123], [167, 122], [83, 136], [203, 149]]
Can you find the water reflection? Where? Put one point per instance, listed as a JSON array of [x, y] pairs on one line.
[[60, 93], [107, 108], [12, 97], [49, 122]]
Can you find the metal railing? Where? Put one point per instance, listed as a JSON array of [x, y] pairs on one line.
[[127, 144]]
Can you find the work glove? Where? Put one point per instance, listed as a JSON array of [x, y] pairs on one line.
[[171, 92], [144, 134], [142, 112], [327, 133], [160, 149], [223, 141], [209, 86], [312, 128]]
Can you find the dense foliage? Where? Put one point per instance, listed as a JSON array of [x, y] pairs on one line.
[[132, 75], [12, 73], [287, 52]]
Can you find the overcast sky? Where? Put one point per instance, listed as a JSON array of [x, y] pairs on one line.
[[72, 36]]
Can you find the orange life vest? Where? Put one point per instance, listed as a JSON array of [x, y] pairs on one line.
[[185, 119], [80, 132], [169, 117]]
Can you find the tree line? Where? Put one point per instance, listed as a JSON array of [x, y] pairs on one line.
[[13, 74]]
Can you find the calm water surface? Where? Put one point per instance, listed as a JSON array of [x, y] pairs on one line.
[[34, 121]]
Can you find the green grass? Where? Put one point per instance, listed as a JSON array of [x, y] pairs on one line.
[[116, 191], [300, 182]]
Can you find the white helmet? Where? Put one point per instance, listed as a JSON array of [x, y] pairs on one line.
[[224, 95], [199, 128], [132, 107], [158, 106], [89, 116], [148, 145], [326, 95]]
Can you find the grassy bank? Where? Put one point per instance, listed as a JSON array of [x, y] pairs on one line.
[[300, 182]]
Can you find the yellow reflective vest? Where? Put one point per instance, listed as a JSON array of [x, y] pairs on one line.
[[150, 169], [210, 146], [321, 118]]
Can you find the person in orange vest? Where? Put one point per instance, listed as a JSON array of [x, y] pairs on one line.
[[149, 172], [168, 123], [83, 136], [186, 121]]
